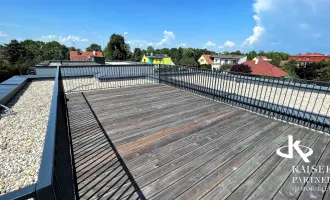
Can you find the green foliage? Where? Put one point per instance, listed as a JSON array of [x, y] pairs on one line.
[[7, 70], [243, 68], [276, 60], [14, 51], [117, 49], [290, 67], [251, 55], [150, 49], [94, 47], [238, 52], [55, 51], [225, 66], [325, 73], [206, 66], [137, 55]]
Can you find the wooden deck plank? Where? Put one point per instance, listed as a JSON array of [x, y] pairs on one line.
[[178, 168], [218, 173], [289, 190], [175, 144], [232, 182], [270, 186]]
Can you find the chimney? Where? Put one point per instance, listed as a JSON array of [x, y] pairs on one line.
[[257, 60], [94, 52]]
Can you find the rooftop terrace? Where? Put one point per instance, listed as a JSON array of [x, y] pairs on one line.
[[172, 132], [177, 145]]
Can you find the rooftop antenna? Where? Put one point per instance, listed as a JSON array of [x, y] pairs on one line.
[[74, 43]]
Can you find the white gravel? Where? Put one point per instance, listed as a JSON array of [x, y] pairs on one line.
[[90, 83], [22, 136], [315, 102]]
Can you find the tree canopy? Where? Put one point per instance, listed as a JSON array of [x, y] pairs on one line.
[[117, 49], [94, 47], [243, 68]]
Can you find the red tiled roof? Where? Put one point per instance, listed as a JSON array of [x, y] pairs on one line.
[[263, 57], [265, 68], [83, 56], [208, 59], [90, 53], [309, 57]]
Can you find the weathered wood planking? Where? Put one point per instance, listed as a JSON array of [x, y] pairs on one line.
[[178, 145]]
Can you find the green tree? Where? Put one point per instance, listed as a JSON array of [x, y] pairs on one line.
[[251, 55], [276, 60], [55, 51], [290, 68], [225, 66], [116, 48], [243, 68], [238, 52], [150, 49], [34, 50], [94, 47], [14, 52], [137, 55], [325, 73]]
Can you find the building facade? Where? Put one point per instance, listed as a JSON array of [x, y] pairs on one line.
[[219, 60], [205, 60], [309, 57], [157, 59]]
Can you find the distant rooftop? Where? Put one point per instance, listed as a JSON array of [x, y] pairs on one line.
[[227, 56], [83, 63], [157, 55], [84, 56]]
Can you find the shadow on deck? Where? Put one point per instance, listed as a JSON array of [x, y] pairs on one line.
[[97, 162]]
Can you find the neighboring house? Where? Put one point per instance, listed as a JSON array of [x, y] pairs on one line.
[[309, 57], [262, 58], [262, 67], [85, 56], [157, 59], [219, 60], [205, 60], [283, 62]]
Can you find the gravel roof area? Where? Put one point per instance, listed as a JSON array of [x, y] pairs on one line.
[[22, 136]]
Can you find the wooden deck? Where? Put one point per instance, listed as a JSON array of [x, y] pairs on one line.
[[157, 142]]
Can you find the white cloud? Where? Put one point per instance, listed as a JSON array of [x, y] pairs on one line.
[[62, 39], [139, 43], [303, 26], [209, 44], [259, 6], [48, 37], [168, 37], [72, 39], [183, 45], [257, 32], [2, 35], [281, 20], [125, 33], [227, 44]]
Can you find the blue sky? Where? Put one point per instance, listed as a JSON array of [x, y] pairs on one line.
[[293, 26]]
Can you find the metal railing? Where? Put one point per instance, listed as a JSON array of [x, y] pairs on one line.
[[56, 177], [85, 78], [302, 102]]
